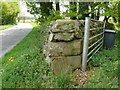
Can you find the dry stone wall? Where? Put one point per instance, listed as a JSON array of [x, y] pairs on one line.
[[64, 47]]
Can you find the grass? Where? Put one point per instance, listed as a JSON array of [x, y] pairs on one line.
[[0, 77], [63, 80], [2, 27], [24, 66], [105, 63]]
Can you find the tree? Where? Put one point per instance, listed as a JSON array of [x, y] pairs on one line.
[[44, 11], [110, 10], [45, 8], [95, 10], [83, 9], [75, 10], [41, 9], [57, 6]]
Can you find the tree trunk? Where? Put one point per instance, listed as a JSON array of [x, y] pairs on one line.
[[45, 8], [57, 6], [98, 15]]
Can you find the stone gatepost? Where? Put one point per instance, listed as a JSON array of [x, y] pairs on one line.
[[65, 44]]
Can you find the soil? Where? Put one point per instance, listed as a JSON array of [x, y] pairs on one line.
[[81, 77]]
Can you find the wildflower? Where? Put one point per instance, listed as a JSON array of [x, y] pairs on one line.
[[11, 59]]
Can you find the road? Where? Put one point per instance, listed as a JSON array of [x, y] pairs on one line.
[[12, 36]]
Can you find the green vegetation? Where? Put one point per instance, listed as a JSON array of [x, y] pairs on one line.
[[75, 10], [24, 66], [0, 76], [63, 81], [9, 12], [106, 76], [2, 27], [25, 21], [105, 63]]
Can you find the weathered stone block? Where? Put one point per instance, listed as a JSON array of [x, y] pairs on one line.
[[78, 34], [65, 21], [63, 36], [67, 36], [50, 37], [65, 64], [81, 23], [65, 48], [65, 26]]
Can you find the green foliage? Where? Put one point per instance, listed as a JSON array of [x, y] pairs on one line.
[[47, 13], [32, 7], [2, 27], [9, 11], [105, 77], [110, 9], [54, 15], [43, 10], [72, 12], [63, 81], [106, 55], [109, 26], [83, 9]]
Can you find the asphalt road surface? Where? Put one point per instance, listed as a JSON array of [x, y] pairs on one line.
[[12, 36]]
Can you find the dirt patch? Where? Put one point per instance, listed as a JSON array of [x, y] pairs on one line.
[[81, 77]]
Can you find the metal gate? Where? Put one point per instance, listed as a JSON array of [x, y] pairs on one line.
[[90, 50]]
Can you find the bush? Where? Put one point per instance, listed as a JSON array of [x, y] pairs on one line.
[[9, 11]]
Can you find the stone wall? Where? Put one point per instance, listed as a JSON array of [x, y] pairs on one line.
[[64, 47]]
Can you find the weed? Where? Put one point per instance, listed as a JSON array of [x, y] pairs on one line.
[[63, 81]]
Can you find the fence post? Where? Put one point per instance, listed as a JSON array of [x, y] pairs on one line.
[[86, 42]]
